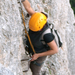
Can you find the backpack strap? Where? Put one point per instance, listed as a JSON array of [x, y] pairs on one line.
[[56, 34], [45, 32], [59, 41]]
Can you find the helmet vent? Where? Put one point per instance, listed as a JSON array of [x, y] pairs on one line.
[[39, 27], [41, 19], [39, 22]]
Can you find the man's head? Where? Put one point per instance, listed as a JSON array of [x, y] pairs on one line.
[[37, 21]]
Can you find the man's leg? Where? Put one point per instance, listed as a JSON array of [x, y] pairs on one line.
[[36, 68]]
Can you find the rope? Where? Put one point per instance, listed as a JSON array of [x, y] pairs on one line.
[[25, 29]]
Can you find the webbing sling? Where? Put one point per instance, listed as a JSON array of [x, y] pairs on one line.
[[25, 28]]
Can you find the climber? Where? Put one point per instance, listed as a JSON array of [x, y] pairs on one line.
[[37, 26], [28, 7]]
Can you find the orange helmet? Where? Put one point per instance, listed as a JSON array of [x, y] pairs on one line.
[[37, 21]]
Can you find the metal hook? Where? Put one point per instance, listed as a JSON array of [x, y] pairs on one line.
[[29, 60]]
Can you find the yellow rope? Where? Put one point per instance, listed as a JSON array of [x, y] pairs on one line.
[[27, 32]]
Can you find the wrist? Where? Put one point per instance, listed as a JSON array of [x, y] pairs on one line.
[[39, 55]]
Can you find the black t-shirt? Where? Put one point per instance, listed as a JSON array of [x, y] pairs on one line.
[[37, 40], [48, 37]]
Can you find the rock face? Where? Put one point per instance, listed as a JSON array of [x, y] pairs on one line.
[[12, 37]]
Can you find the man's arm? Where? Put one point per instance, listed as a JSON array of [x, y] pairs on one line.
[[28, 7], [53, 50]]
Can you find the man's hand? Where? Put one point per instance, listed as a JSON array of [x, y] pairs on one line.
[[28, 7], [34, 57]]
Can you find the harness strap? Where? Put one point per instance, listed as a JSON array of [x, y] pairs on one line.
[[36, 63]]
